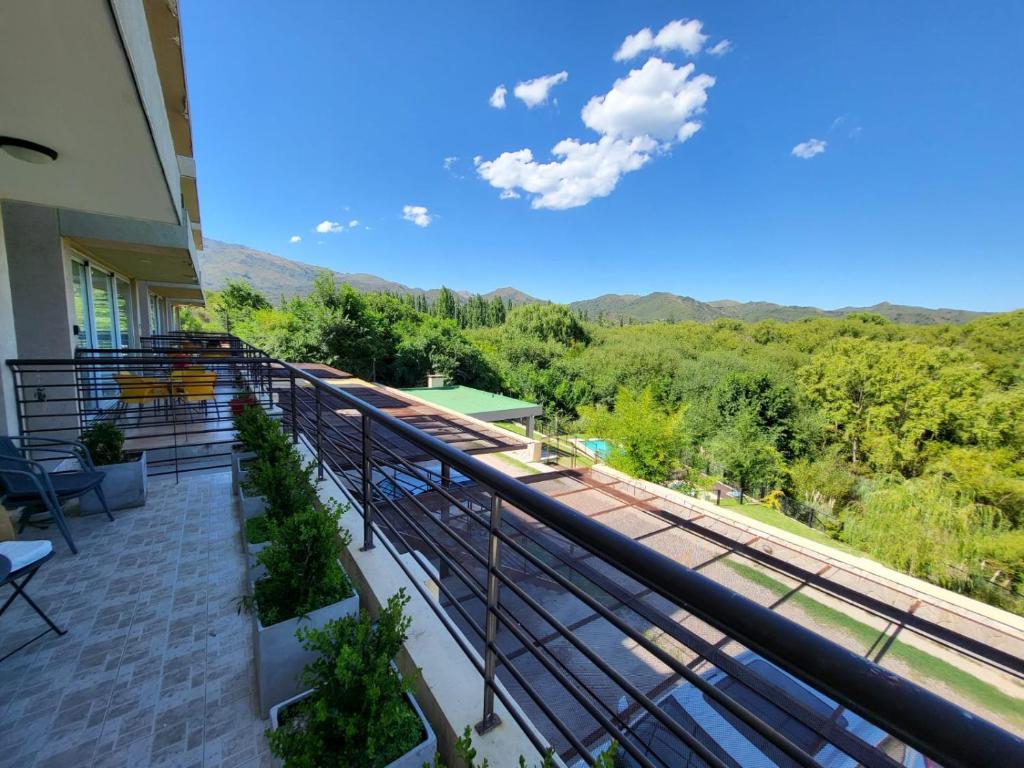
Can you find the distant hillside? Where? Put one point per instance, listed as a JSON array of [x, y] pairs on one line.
[[277, 277], [670, 307], [649, 308]]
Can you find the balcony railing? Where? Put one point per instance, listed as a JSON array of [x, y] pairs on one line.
[[588, 636], [172, 398]]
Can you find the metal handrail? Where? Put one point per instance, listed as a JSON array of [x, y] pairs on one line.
[[934, 726], [938, 728]]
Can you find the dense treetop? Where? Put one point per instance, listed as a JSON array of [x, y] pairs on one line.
[[905, 441]]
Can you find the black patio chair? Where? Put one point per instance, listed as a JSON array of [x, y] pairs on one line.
[[26, 483], [19, 562]]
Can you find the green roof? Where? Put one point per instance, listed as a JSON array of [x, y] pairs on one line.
[[476, 402]]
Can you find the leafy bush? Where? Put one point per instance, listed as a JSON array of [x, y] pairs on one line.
[[357, 714], [925, 527], [284, 482], [277, 473], [255, 427], [303, 573], [105, 442], [643, 440]]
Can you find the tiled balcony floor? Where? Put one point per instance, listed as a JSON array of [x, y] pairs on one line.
[[156, 667]]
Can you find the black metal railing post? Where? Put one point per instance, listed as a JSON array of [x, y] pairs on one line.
[[443, 571], [367, 484], [490, 719], [319, 440], [294, 408]]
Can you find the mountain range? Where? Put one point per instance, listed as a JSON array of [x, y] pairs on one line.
[[673, 308], [279, 278]]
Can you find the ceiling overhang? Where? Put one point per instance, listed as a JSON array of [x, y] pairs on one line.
[[76, 80]]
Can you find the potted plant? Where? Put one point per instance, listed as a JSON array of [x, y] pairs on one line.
[[297, 581], [125, 479], [358, 709], [252, 425], [241, 402]]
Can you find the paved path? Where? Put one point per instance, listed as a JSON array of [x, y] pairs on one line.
[[156, 667]]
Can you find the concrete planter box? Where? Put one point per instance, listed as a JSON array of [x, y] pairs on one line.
[[279, 656], [124, 485], [237, 473], [255, 549], [252, 506], [420, 755]]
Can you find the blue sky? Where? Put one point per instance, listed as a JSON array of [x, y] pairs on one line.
[[311, 112]]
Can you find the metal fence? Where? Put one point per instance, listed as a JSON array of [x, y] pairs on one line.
[[173, 401], [585, 635], [598, 638]]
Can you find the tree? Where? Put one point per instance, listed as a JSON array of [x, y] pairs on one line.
[[644, 440], [446, 306], [893, 404], [547, 322], [747, 455]]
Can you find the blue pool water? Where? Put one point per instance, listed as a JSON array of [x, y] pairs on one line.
[[597, 446]]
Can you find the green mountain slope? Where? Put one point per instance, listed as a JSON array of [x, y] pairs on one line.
[[277, 277], [669, 307]]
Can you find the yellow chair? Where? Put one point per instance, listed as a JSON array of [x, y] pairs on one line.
[[194, 385], [138, 390]]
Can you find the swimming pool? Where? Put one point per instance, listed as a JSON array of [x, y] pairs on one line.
[[597, 446]]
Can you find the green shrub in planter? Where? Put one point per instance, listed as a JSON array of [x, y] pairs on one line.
[[302, 568], [283, 482], [105, 442], [258, 431], [358, 713]]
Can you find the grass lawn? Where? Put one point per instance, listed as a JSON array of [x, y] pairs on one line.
[[924, 664], [786, 523], [517, 463]]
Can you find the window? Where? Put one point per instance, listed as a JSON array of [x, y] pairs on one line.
[[102, 306], [83, 312], [155, 314], [124, 312]]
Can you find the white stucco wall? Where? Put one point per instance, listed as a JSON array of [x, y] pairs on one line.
[[8, 345]]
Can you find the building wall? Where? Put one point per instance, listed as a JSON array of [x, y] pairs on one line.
[[8, 345], [38, 280], [39, 285]]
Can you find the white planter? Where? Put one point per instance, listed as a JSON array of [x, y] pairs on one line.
[[124, 485], [252, 506], [420, 755], [280, 657], [237, 473], [255, 549]]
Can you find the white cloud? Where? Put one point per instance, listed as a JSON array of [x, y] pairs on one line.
[[642, 116], [585, 170], [679, 35], [353, 224], [418, 215], [534, 92], [658, 100], [808, 149], [721, 48], [448, 162], [497, 99], [294, 239], [327, 225]]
